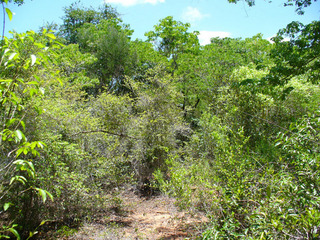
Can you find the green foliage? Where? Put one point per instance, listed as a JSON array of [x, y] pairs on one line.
[[144, 58], [156, 124], [299, 56], [230, 128], [20, 84], [247, 195], [205, 77], [86, 150], [75, 67], [108, 41], [172, 38], [76, 16]]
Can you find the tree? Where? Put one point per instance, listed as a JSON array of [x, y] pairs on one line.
[[76, 67], [172, 38], [144, 58], [299, 56], [23, 59], [108, 41], [76, 16], [300, 4]]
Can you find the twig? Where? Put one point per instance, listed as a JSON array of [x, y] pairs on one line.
[[104, 131], [8, 165]]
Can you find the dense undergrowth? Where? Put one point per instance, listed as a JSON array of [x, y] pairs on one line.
[[231, 128]]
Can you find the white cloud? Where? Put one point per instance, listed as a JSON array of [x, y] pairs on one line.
[[128, 3], [192, 15], [205, 36]]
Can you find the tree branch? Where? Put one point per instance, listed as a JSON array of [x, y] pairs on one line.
[[104, 131]]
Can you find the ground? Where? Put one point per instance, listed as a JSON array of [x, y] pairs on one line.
[[151, 218]]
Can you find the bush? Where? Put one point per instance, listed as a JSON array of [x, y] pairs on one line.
[[250, 195]]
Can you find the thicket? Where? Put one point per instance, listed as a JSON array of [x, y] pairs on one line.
[[231, 128]]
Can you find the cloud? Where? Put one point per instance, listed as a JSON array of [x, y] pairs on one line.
[[205, 36], [192, 15], [127, 3]]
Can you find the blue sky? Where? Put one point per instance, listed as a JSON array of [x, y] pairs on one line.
[[211, 17]]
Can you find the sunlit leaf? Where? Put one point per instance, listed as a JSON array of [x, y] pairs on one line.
[[33, 59], [50, 195], [51, 35], [19, 151], [30, 165], [33, 82], [40, 144], [31, 234], [21, 179], [42, 193], [41, 89], [15, 233], [43, 222], [6, 206], [9, 13], [40, 45], [12, 56], [19, 135], [6, 80], [10, 122], [6, 50]]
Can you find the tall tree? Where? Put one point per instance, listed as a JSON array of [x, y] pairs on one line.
[[108, 41], [172, 38], [76, 16]]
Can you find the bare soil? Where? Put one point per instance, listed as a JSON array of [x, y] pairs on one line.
[[144, 218]]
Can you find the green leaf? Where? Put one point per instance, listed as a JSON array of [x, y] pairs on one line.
[[19, 135], [6, 80], [31, 38], [15, 233], [30, 165], [4, 236], [32, 82], [10, 122], [42, 193], [49, 194], [12, 56], [33, 92], [43, 222], [9, 13], [21, 179], [41, 90], [51, 35], [31, 234], [40, 45], [40, 144], [6, 206], [19, 151], [6, 50]]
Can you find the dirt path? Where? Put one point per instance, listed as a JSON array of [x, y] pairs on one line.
[[153, 218]]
